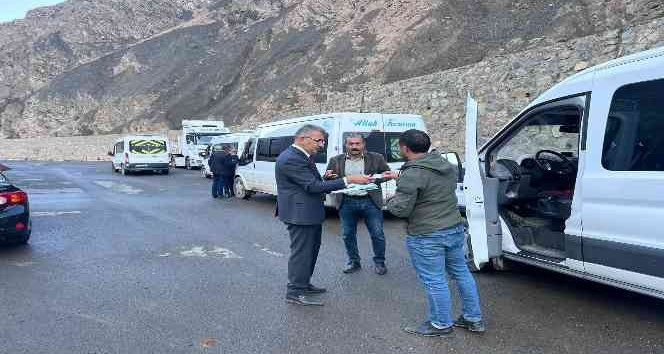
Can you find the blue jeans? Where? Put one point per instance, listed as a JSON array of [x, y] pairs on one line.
[[435, 254], [217, 185], [352, 209]]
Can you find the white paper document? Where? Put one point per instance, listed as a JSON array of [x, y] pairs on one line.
[[357, 187]]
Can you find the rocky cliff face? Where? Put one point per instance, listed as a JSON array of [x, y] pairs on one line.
[[107, 66]]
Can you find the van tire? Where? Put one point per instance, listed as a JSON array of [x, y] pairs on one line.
[[165, 172], [240, 190]]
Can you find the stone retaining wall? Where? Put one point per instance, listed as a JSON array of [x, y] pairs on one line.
[[503, 85]]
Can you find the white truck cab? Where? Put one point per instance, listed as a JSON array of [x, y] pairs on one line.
[[575, 183], [193, 140], [381, 131], [140, 153]]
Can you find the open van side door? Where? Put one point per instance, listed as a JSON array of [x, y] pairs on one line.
[[474, 194]]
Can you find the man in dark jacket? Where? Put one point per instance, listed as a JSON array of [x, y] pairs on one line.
[[216, 163], [300, 194], [354, 205], [426, 197], [230, 162]]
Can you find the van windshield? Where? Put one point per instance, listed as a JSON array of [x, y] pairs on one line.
[[147, 146], [386, 144]]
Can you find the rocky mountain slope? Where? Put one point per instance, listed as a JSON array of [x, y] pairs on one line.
[[106, 66]]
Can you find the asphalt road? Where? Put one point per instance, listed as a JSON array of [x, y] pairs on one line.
[[153, 264]]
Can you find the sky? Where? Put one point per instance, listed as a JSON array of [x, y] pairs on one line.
[[13, 9]]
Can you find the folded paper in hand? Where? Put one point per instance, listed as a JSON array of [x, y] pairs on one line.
[[357, 187]]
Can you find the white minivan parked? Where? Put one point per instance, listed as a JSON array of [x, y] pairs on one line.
[[575, 183], [140, 153], [381, 131]]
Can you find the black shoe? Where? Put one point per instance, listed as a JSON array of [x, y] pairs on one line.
[[352, 268], [471, 326], [314, 290], [381, 269], [426, 329], [303, 300]]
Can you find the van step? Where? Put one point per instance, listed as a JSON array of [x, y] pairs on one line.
[[543, 251]]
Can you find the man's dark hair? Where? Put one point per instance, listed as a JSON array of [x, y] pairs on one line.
[[305, 130], [416, 140], [355, 135]]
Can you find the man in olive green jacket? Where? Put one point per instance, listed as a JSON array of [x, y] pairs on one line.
[[426, 197]]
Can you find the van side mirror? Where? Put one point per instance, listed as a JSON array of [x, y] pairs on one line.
[[454, 159], [110, 153]]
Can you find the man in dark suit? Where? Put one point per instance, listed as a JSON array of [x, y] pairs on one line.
[[216, 163], [229, 164], [300, 195], [356, 205]]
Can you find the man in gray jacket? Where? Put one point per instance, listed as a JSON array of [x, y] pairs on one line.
[[426, 197], [354, 205]]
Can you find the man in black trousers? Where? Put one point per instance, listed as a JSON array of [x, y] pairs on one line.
[[300, 196]]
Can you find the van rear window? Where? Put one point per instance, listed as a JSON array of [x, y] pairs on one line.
[[147, 146]]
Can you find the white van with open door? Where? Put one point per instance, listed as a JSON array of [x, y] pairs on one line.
[[575, 183], [140, 153], [381, 132]]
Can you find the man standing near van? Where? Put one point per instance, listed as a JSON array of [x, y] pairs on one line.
[[354, 205], [216, 163], [300, 194], [228, 171], [426, 197]]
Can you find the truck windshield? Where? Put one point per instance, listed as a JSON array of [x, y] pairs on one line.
[[386, 144], [202, 138], [147, 146]]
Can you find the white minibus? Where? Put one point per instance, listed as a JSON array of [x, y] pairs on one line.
[[381, 131], [575, 182], [140, 153]]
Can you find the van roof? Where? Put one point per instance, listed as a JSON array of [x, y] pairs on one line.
[[629, 59], [585, 77], [151, 136], [327, 115]]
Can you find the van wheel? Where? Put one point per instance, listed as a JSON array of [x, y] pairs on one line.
[[165, 172], [187, 164], [240, 190]]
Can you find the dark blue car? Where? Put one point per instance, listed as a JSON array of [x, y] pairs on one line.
[[15, 224]]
